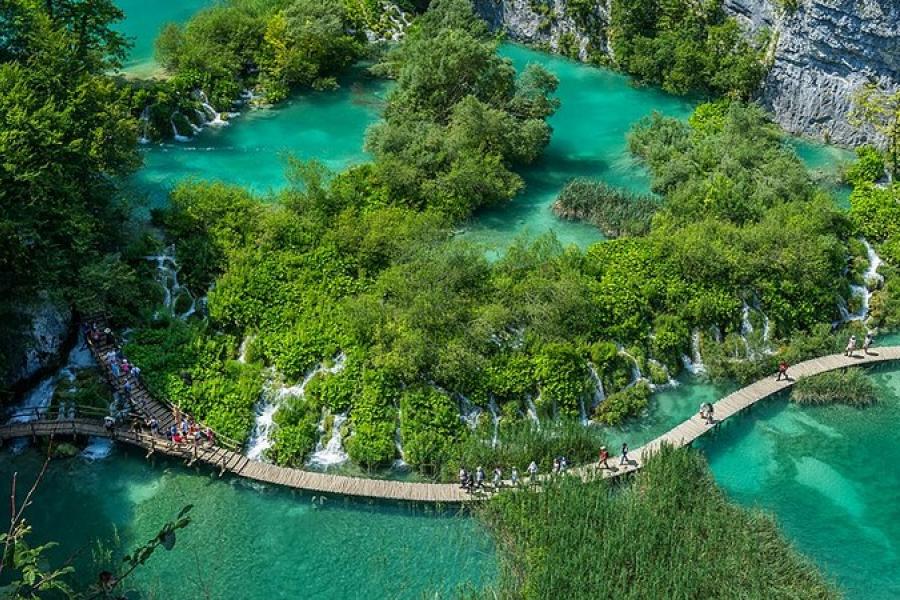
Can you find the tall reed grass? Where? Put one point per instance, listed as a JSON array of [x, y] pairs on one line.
[[668, 533], [849, 386]]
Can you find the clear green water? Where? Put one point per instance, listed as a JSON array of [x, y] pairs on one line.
[[252, 150], [597, 109], [251, 541], [830, 476]]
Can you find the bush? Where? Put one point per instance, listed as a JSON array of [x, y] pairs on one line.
[[623, 405], [848, 386]]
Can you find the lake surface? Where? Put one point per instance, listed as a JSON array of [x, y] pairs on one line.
[[249, 541]]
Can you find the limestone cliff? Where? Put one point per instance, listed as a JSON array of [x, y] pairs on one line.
[[41, 328], [824, 50]]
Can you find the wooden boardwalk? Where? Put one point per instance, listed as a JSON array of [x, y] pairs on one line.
[[233, 461]]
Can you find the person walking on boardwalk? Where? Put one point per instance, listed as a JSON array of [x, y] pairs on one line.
[[532, 471], [604, 458], [624, 458], [782, 372], [514, 476], [555, 469], [498, 478], [462, 477], [851, 346], [710, 410], [479, 478], [867, 342]]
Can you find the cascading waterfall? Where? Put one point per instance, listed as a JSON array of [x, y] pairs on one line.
[[211, 115], [531, 410], [332, 453], [694, 363], [37, 401], [495, 418], [636, 374], [243, 349], [468, 412], [145, 126], [167, 277], [273, 394], [599, 393], [871, 279], [97, 448], [177, 136]]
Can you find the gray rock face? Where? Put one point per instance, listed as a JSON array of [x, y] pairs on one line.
[[826, 50], [523, 23], [44, 326], [823, 52]]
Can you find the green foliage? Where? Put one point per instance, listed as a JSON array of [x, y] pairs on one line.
[[868, 167], [623, 405], [195, 369], [458, 119], [520, 442], [430, 428], [563, 379], [875, 211], [671, 533], [878, 109], [278, 45], [848, 386], [684, 46], [66, 135], [617, 213]]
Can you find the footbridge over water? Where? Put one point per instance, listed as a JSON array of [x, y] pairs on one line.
[[226, 456]]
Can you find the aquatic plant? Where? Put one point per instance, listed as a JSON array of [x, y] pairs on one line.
[[615, 212], [668, 533], [847, 386]]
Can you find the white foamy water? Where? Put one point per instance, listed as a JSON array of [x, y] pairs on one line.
[[871, 278], [270, 400], [167, 278], [98, 448], [332, 453], [694, 363]]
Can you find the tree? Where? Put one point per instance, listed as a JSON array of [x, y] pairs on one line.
[[880, 109]]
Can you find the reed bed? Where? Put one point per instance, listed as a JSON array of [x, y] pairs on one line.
[[667, 533], [616, 212], [850, 386]]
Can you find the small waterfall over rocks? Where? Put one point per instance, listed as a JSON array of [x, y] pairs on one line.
[[175, 135], [694, 363], [599, 394], [145, 126], [273, 394], [332, 453], [871, 279], [495, 419], [210, 116], [37, 400], [468, 412], [531, 410], [174, 293], [97, 448]]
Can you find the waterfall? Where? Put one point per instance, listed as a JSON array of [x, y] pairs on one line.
[[212, 116], [167, 277], [270, 400], [97, 448], [37, 401], [495, 418], [468, 412], [636, 374], [332, 453], [242, 350], [694, 363], [145, 125], [399, 464], [178, 137], [532, 410], [871, 278], [599, 392]]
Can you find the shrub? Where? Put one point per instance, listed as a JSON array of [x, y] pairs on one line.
[[620, 406]]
